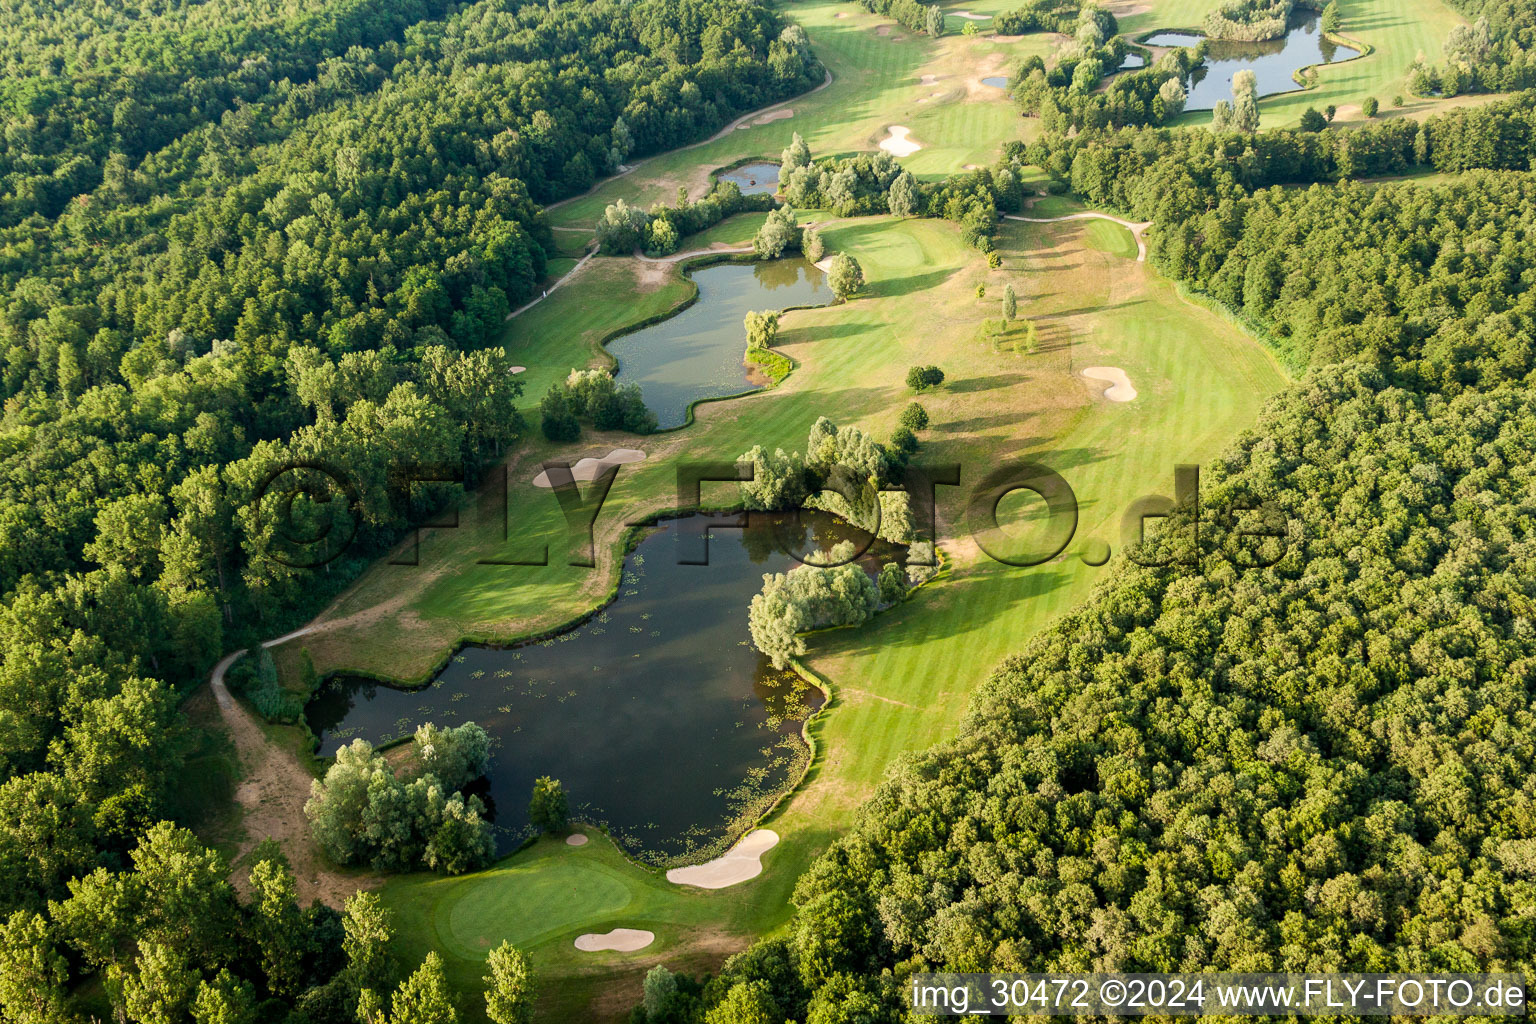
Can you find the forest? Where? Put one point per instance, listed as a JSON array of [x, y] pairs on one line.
[[1324, 763], [241, 237], [1493, 54]]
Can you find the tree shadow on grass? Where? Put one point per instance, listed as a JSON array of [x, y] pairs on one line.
[[971, 385], [902, 286], [920, 621], [804, 335]]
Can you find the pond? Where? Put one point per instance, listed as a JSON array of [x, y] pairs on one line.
[[753, 179], [1272, 61], [698, 353], [657, 715], [995, 81], [1131, 62]]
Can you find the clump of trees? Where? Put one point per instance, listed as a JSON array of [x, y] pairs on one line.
[[1249, 20], [778, 235], [548, 810], [623, 228], [1065, 95], [1242, 114], [365, 811], [1061, 16], [595, 396], [921, 378], [805, 598]]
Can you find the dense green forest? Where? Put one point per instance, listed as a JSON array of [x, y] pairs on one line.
[[1321, 764], [239, 236], [1496, 53]]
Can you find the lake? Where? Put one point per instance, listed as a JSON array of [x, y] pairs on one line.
[[1272, 61], [753, 179], [698, 353], [656, 714]]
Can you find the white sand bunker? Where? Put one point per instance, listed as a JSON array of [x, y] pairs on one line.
[[518, 369], [576, 839], [621, 940], [775, 115], [741, 862], [1119, 389], [589, 469], [968, 16], [929, 79], [897, 143]]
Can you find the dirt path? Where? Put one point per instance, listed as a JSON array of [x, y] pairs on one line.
[[1137, 230], [524, 308], [678, 257], [272, 792]]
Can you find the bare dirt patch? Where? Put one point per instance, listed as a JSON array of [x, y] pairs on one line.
[[272, 795]]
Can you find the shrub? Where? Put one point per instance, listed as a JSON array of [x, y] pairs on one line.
[[921, 378], [914, 417], [548, 810], [846, 276]]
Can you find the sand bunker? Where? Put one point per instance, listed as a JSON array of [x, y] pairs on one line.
[[929, 79], [1120, 389], [576, 839], [741, 862], [622, 940], [775, 115], [518, 369], [883, 30], [968, 16], [897, 143], [589, 469], [824, 264]]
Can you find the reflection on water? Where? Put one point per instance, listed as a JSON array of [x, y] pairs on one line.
[[1272, 61], [657, 715], [698, 353], [1131, 62], [753, 179]]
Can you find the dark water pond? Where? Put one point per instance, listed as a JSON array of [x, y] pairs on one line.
[[698, 353], [657, 715], [1272, 61], [753, 179]]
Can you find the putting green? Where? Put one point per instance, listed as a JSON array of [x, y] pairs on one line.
[[526, 901], [1109, 237]]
